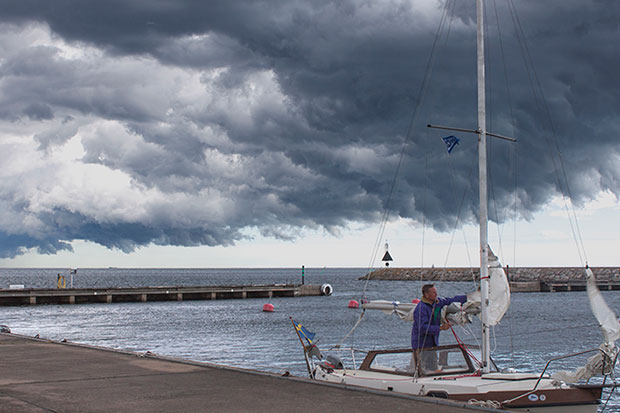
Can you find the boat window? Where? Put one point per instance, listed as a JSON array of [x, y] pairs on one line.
[[442, 361], [393, 362]]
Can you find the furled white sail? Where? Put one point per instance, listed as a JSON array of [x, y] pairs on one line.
[[604, 315], [499, 293], [499, 290], [403, 310], [602, 362]]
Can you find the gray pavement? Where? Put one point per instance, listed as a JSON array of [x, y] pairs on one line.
[[45, 376]]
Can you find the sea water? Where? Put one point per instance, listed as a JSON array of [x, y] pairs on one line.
[[537, 327]]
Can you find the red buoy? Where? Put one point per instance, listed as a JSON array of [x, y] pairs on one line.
[[353, 304], [268, 308], [415, 301]]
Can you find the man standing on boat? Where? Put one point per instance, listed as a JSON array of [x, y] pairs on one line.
[[427, 325]]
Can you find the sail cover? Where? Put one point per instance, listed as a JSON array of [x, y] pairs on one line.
[[604, 315], [499, 290]]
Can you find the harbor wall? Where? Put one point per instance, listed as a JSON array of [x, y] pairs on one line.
[[516, 274]]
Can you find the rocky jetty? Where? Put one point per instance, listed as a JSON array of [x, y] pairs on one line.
[[516, 274]]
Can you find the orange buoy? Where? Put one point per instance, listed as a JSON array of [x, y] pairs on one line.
[[353, 304], [268, 308], [415, 301]]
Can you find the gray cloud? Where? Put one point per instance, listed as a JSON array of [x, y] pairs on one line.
[[189, 123]]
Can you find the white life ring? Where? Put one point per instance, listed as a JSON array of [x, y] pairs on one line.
[[326, 289]]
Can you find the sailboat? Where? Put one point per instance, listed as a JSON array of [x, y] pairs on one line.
[[459, 375]]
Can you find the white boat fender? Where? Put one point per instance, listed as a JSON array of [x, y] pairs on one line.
[[326, 289]]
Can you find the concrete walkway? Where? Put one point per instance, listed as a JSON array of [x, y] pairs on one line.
[[45, 376]]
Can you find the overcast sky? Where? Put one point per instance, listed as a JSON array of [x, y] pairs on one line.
[[249, 129]]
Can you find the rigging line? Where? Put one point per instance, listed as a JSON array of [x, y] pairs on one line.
[[460, 210], [471, 333], [528, 63], [420, 98], [515, 153], [510, 326], [498, 220], [359, 320], [608, 398], [450, 166], [574, 227], [513, 170], [452, 182], [456, 220], [469, 261], [426, 182], [559, 152], [453, 185], [463, 346], [551, 330], [424, 207], [536, 86], [471, 266], [500, 227], [428, 327], [433, 98], [451, 19]]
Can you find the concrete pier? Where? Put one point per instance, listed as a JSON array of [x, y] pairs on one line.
[[32, 296], [45, 376]]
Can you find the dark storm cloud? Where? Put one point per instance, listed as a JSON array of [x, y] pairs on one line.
[[279, 115]]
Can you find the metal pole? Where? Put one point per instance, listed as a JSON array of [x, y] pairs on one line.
[[482, 178], [304, 347], [303, 268]]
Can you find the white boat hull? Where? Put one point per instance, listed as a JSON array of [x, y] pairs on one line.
[[511, 391]]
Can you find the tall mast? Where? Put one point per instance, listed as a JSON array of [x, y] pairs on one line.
[[482, 179]]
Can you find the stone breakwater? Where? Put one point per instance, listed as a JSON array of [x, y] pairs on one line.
[[516, 274]]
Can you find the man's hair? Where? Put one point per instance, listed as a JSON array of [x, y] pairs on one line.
[[426, 287]]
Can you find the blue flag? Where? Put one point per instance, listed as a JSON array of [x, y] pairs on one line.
[[451, 142], [308, 335]]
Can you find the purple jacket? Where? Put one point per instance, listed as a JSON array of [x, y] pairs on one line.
[[426, 319]]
